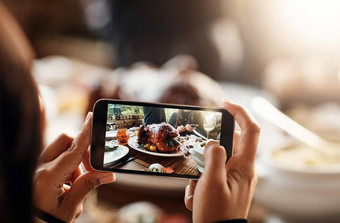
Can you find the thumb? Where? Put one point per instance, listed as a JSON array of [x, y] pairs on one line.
[[69, 160], [86, 183], [215, 158], [189, 194]]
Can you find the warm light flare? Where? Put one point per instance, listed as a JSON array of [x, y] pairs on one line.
[[303, 27], [314, 20]]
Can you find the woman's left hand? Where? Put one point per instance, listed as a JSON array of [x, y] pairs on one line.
[[58, 165]]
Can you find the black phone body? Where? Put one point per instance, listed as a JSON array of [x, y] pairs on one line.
[[143, 138]]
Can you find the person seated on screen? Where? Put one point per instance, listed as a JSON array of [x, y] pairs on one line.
[[33, 180], [153, 115], [186, 121]]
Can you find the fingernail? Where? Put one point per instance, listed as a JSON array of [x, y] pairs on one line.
[[107, 179], [227, 100], [88, 116], [210, 140]]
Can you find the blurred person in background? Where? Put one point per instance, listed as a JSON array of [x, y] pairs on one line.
[[156, 31], [32, 184]]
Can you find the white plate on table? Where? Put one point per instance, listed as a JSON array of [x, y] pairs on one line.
[[115, 155], [132, 142]]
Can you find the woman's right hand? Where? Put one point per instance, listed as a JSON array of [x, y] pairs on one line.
[[224, 191]]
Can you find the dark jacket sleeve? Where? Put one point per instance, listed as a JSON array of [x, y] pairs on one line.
[[45, 217], [172, 120]]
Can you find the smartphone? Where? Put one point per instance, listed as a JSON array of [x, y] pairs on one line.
[[150, 138]]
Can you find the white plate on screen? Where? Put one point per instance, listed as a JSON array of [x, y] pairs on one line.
[[115, 155], [132, 142], [200, 168]]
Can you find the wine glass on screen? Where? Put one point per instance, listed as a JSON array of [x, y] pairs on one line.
[[209, 124]]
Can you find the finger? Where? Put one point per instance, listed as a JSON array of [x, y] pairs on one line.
[[68, 161], [79, 211], [215, 158], [236, 141], [86, 161], [188, 199], [192, 187], [250, 130], [241, 115], [66, 188], [189, 194], [85, 184], [82, 141], [58, 146], [73, 176]]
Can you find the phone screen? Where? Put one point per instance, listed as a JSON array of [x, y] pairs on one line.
[[157, 139]]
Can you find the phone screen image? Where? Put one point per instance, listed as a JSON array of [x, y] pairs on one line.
[[157, 139]]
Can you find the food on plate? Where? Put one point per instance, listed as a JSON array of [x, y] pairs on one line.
[[158, 137], [111, 145], [167, 170], [153, 148], [205, 142], [156, 167], [107, 148], [189, 142], [133, 131]]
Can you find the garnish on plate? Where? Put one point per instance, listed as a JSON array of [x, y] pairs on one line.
[[111, 145], [158, 168]]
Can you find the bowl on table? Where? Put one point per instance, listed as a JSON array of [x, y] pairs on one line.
[[297, 184], [197, 153]]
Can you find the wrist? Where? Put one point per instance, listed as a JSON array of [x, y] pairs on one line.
[[46, 217]]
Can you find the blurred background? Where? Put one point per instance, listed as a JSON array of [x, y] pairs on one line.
[[196, 52]]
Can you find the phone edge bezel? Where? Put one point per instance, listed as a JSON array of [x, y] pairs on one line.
[[94, 162]]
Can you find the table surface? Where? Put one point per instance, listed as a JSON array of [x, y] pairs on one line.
[[112, 197], [184, 165]]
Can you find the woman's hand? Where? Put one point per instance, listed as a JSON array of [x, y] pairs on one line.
[[59, 164], [225, 191], [189, 128], [181, 129]]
